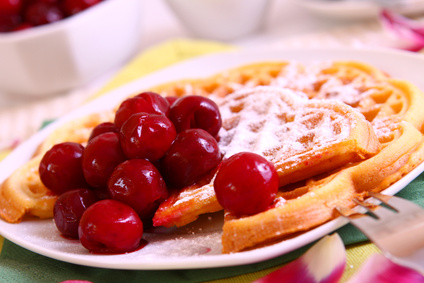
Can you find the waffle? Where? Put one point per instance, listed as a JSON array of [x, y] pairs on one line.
[[390, 105], [23, 193], [385, 143], [311, 203], [301, 137]]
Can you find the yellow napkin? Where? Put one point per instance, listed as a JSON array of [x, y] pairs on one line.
[[162, 56]]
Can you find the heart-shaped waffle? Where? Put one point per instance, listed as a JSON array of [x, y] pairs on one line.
[[385, 102], [301, 137]]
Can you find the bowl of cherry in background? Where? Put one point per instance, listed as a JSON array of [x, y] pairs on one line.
[[51, 46]]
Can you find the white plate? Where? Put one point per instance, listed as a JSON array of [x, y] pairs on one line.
[[357, 9], [198, 245]]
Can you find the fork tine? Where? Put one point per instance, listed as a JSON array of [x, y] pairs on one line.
[[398, 204], [358, 218], [381, 197], [372, 225], [368, 207], [398, 232], [378, 211]]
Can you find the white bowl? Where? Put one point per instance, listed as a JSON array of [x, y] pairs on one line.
[[220, 19], [56, 57]]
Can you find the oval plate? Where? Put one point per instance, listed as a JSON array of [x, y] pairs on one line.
[[193, 246]]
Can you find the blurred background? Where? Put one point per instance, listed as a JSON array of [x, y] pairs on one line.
[[82, 45]]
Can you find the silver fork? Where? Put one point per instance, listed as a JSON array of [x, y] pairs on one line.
[[397, 230]]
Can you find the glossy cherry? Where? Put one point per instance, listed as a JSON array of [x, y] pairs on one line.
[[147, 136], [193, 154], [60, 168], [139, 184], [194, 111], [23, 14], [42, 12], [148, 102], [102, 128], [69, 208], [10, 6], [101, 155], [246, 184], [171, 99], [22, 26], [9, 21], [109, 226], [72, 7]]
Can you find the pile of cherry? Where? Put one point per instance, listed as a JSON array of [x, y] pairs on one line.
[[110, 189], [22, 14]]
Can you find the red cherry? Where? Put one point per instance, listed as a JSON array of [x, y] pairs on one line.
[[148, 102], [139, 184], [147, 136], [40, 13], [10, 6], [61, 168], [194, 111], [102, 128], [193, 154], [171, 99], [9, 21], [101, 155], [154, 102], [69, 208], [22, 26], [56, 2], [72, 7], [246, 184], [110, 226]]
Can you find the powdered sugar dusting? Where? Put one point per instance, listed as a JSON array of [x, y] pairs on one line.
[[278, 123], [202, 194], [304, 81], [298, 76], [306, 77], [250, 118]]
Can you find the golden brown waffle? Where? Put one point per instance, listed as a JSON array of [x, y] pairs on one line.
[[384, 102], [301, 137], [313, 202], [186, 205], [23, 192]]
